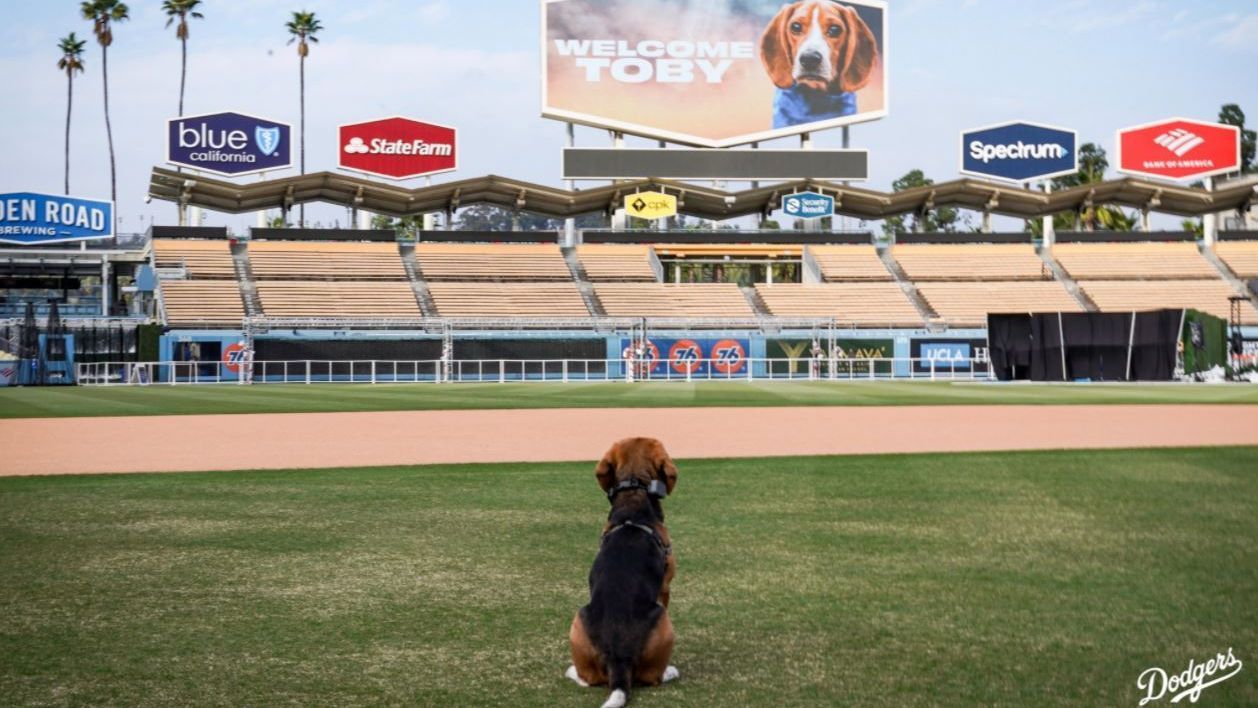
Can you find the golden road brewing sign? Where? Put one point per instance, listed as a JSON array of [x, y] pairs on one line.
[[714, 73], [651, 205]]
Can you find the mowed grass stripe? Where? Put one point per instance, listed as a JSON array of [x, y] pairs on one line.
[[293, 398], [1046, 578]]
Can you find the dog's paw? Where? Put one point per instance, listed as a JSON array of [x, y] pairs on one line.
[[669, 674], [572, 674]]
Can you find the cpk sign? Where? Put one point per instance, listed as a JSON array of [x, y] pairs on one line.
[[1179, 149], [1019, 152], [229, 144], [398, 148]]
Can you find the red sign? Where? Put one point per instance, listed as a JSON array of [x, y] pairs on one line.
[[1179, 149], [398, 148], [234, 357]]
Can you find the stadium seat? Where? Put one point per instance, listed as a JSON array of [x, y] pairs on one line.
[[345, 299], [862, 304], [1240, 256], [292, 260], [1206, 295], [971, 261], [199, 259], [509, 300], [668, 300], [1133, 261], [843, 263], [968, 304], [197, 303], [471, 262], [610, 263]]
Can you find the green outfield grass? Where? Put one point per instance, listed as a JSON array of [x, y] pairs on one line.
[[978, 579], [184, 400]]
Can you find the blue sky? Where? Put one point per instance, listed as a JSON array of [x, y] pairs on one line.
[[1092, 65]]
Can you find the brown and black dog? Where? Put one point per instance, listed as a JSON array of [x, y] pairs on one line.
[[623, 636]]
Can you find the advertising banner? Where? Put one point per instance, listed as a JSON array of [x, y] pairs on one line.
[[947, 355], [30, 218], [714, 74], [1179, 149], [852, 358], [651, 205], [8, 372], [398, 148], [1019, 152], [808, 205], [673, 358], [229, 144]]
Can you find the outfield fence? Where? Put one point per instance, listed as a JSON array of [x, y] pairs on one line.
[[517, 370]]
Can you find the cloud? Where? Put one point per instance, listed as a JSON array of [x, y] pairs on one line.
[[1243, 36]]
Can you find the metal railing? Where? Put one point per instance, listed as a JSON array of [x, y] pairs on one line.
[[529, 370]]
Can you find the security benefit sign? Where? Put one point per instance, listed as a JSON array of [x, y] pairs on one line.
[[678, 358], [1019, 152], [651, 205], [229, 144], [1179, 149], [808, 205], [850, 357], [397, 148], [29, 218], [714, 74], [944, 356]]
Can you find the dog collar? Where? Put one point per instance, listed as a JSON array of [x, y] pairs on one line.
[[656, 488]]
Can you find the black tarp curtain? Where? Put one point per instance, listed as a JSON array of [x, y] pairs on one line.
[[1095, 346]]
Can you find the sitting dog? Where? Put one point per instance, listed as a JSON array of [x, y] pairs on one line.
[[818, 53], [623, 636]]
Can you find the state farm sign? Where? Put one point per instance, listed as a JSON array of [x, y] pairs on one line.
[[397, 148], [1179, 149]]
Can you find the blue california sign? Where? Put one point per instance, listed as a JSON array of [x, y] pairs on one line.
[[1019, 152], [808, 205], [229, 143], [29, 218]]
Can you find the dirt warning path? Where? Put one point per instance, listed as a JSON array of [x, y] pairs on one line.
[[365, 439], [315, 440]]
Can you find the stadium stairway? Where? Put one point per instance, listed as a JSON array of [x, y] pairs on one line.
[[924, 310], [1238, 283], [422, 294], [757, 303], [244, 277], [582, 279], [1061, 276]]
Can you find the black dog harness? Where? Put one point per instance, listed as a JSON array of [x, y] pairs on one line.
[[656, 489]]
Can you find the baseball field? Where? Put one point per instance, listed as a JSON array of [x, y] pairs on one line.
[[1045, 577]]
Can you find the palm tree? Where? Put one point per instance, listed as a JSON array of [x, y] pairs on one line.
[[303, 27], [71, 62], [181, 10], [103, 14]]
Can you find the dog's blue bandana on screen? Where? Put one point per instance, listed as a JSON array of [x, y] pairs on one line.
[[798, 105]]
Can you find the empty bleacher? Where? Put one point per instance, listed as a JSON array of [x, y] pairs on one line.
[[844, 263], [338, 299], [1240, 256], [1133, 261], [866, 304], [967, 304], [297, 260], [509, 300], [472, 262], [203, 303], [1126, 295], [198, 259], [661, 300], [971, 261], [611, 263]]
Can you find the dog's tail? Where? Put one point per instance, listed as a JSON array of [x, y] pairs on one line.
[[620, 678]]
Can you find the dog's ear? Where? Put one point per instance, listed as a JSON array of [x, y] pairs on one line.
[[775, 49], [860, 55], [670, 473], [605, 470]]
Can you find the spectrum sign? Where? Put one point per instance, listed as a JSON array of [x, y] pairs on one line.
[[230, 144], [1019, 152], [398, 148], [1179, 149], [28, 218]]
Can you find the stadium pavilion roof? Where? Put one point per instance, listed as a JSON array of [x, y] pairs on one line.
[[693, 200]]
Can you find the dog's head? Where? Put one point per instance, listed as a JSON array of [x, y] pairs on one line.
[[641, 459], [821, 45]]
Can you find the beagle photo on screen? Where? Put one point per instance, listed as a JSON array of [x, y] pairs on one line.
[[623, 636], [818, 53]]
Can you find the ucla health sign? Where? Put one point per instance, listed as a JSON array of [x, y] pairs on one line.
[[29, 218], [808, 205], [229, 144], [1019, 152]]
